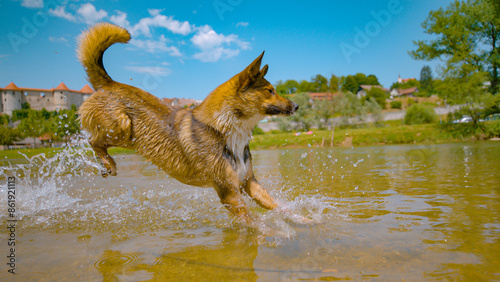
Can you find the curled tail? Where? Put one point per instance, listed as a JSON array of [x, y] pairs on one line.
[[91, 46]]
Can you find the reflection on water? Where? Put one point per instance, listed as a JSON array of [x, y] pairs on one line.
[[417, 212]]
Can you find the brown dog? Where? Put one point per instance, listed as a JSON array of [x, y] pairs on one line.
[[206, 146]]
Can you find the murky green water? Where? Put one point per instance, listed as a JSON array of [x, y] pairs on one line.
[[413, 213]]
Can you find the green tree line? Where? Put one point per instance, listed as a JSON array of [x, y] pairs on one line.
[[25, 123]]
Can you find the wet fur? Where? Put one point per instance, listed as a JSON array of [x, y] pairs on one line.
[[206, 146]]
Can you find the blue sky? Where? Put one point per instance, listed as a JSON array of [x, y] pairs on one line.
[[187, 48]]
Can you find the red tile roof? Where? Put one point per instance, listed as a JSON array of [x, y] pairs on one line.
[[407, 91], [87, 89], [368, 87], [62, 86], [11, 86]]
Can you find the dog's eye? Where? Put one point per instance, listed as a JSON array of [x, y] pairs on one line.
[[270, 91]]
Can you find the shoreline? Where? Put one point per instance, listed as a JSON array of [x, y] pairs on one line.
[[347, 137]]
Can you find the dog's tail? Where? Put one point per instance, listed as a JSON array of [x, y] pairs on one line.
[[91, 46]]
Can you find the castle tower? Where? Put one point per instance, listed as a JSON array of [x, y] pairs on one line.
[[11, 98], [62, 96], [86, 91]]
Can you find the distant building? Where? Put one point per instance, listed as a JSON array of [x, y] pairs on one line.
[[54, 99], [180, 103], [323, 96], [410, 92], [403, 80], [363, 90]]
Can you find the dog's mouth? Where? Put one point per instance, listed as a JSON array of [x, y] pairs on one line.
[[274, 110]]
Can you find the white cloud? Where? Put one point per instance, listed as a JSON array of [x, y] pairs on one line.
[[89, 14], [214, 46], [32, 3], [120, 19], [60, 12], [152, 70], [154, 12], [158, 20], [154, 46], [242, 24], [57, 39]]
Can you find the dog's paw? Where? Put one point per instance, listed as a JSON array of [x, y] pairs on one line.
[[296, 218], [106, 173]]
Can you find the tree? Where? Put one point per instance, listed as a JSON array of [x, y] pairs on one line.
[[4, 119], [305, 86], [373, 107], [334, 84], [350, 108], [349, 84], [468, 43], [65, 123], [468, 39], [319, 83], [426, 79], [324, 109], [378, 95], [371, 80], [8, 135], [304, 115], [34, 125]]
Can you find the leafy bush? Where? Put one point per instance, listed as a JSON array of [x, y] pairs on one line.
[[418, 114], [257, 131], [493, 128], [9, 135], [378, 94], [396, 105]]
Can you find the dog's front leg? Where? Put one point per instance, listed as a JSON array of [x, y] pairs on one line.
[[258, 193], [230, 196]]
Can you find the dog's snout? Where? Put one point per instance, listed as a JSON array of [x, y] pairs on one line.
[[295, 106]]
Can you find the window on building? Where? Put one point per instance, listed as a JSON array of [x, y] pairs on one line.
[[25, 93], [42, 94]]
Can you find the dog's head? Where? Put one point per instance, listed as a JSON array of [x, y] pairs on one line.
[[259, 95]]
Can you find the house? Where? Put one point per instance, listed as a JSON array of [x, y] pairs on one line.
[[181, 102], [13, 97], [322, 96], [409, 92], [403, 80], [363, 90]]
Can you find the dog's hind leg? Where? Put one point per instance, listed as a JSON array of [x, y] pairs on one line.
[[258, 193], [107, 160]]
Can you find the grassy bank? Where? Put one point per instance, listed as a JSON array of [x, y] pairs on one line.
[[392, 133]]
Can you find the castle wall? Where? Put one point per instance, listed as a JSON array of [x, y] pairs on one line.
[[38, 99], [11, 101]]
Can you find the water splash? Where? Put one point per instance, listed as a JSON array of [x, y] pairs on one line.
[[66, 192]]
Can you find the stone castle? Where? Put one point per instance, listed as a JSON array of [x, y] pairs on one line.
[[59, 98]]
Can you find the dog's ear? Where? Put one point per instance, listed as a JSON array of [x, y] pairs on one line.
[[252, 73], [263, 72]]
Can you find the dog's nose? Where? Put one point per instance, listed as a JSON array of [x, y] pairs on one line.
[[295, 106]]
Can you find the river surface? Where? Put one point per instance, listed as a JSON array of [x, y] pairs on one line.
[[390, 213]]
